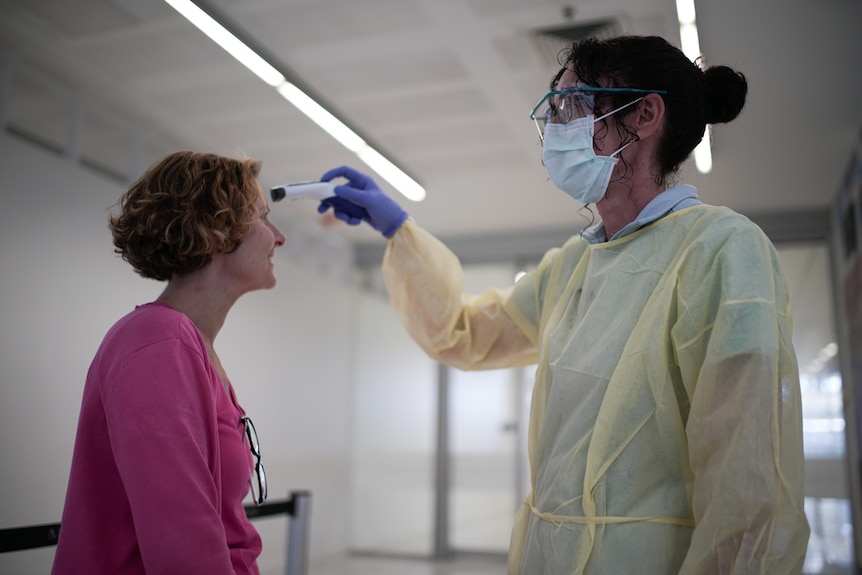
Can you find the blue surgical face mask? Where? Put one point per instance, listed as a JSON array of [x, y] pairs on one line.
[[571, 161]]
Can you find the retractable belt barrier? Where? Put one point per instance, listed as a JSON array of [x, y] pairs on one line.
[[297, 508]]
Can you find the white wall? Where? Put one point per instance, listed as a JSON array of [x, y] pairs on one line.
[[394, 442], [288, 352]]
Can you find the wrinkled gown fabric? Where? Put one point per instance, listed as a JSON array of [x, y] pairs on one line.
[[665, 428]]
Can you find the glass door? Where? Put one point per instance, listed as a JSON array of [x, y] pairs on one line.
[[485, 462], [483, 448], [393, 448], [806, 267]]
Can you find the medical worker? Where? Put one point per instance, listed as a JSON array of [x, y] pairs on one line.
[[665, 433], [165, 454]]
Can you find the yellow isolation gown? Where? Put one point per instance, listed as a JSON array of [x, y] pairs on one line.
[[665, 430]]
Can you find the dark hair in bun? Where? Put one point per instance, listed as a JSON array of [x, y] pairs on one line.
[[724, 94], [694, 97]]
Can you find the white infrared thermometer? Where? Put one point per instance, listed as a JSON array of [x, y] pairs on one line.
[[321, 191], [303, 191]]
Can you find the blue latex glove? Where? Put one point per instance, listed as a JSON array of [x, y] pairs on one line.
[[375, 207]]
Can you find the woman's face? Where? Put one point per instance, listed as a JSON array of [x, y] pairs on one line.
[[251, 262]]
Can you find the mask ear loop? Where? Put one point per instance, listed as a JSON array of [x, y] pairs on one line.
[[622, 148], [603, 116], [624, 106]]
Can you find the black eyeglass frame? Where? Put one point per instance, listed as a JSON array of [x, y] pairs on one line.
[[257, 480]]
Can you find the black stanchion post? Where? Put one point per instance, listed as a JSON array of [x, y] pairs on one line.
[[298, 533]]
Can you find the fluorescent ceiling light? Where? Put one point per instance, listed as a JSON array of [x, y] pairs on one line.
[[703, 153], [685, 11], [690, 41], [322, 117], [233, 45], [327, 121], [392, 173], [353, 142]]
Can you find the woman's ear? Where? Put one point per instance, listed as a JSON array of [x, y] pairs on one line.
[[650, 116]]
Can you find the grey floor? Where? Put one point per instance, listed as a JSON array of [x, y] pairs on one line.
[[363, 565], [352, 565]]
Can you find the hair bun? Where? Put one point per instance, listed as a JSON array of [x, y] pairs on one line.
[[725, 93]]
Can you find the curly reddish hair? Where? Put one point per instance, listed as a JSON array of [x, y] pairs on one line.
[[184, 209]]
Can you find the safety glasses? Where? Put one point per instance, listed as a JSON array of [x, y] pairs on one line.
[[258, 475], [564, 106]]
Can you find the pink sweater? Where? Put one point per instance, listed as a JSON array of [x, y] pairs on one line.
[[160, 470]]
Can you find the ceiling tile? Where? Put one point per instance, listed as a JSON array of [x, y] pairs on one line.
[[80, 17]]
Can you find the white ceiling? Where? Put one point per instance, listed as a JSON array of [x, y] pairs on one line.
[[443, 86]]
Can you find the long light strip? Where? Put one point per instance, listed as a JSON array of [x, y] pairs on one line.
[[233, 45], [392, 173], [691, 48], [406, 185], [321, 116]]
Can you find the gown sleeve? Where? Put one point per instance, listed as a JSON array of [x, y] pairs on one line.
[[732, 340], [424, 279]]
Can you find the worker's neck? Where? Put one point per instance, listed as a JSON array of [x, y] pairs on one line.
[[624, 202]]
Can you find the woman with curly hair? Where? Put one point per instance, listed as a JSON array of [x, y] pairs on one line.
[[164, 453]]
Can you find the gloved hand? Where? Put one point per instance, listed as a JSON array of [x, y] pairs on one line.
[[380, 211]]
